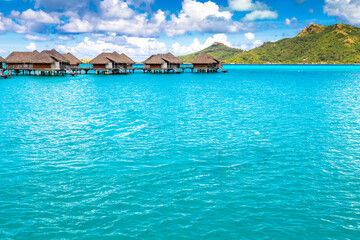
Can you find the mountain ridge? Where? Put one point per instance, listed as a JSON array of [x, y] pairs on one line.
[[217, 50], [316, 44]]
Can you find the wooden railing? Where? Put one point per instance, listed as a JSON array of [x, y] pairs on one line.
[[12, 66]]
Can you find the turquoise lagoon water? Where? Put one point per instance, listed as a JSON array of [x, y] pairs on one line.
[[262, 152]]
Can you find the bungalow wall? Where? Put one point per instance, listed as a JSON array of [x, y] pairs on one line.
[[163, 66], [200, 65], [99, 66], [55, 65], [155, 66], [42, 66]]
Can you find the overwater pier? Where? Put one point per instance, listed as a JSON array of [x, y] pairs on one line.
[[52, 63]]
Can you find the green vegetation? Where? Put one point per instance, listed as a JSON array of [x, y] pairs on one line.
[[316, 44], [217, 50]]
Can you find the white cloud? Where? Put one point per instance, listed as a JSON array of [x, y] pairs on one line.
[[257, 43], [289, 22], [220, 37], [36, 38], [195, 46], [250, 36], [251, 42], [116, 9], [179, 49], [247, 5], [116, 16], [139, 25], [65, 38], [35, 16], [120, 17], [134, 47], [34, 21], [262, 15], [201, 17], [82, 5], [138, 3], [77, 26], [145, 44], [7, 24], [31, 46], [198, 10], [347, 10]]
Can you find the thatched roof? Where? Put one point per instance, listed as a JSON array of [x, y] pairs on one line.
[[126, 58], [104, 58], [48, 57], [20, 57], [205, 59], [72, 59], [2, 60], [162, 58], [60, 58]]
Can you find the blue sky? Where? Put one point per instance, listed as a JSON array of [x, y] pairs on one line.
[[143, 27]]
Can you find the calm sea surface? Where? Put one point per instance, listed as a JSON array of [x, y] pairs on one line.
[[262, 152]]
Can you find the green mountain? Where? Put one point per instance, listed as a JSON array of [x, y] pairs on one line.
[[217, 50], [339, 43]]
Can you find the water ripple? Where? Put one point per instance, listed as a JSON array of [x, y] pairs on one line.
[[262, 152]]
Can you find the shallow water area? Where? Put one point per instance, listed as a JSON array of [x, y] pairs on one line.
[[260, 152]]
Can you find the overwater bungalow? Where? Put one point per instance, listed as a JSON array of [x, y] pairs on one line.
[[2, 67], [163, 63], [206, 63], [112, 62], [2, 63], [20, 61], [74, 61], [126, 62], [51, 62]]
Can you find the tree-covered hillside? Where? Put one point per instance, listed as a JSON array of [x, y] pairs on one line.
[[217, 50], [335, 44]]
